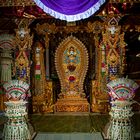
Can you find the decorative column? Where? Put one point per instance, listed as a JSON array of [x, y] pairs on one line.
[[6, 61], [22, 53], [49, 83], [114, 45], [47, 57], [45, 30], [110, 62], [6, 66], [16, 127], [42, 95], [122, 91], [39, 99]]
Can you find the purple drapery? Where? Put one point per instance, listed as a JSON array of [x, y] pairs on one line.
[[70, 10]]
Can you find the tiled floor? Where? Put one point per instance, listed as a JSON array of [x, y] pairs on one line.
[[68, 136], [62, 123], [74, 122], [69, 123]]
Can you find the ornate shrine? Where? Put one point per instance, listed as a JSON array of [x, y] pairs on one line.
[[40, 54], [62, 61], [108, 62]]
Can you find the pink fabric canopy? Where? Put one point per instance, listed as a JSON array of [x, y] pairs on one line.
[[70, 10]]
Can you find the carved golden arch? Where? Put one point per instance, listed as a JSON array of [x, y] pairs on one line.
[[71, 61], [81, 66]]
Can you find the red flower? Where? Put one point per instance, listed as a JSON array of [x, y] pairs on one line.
[[71, 78]]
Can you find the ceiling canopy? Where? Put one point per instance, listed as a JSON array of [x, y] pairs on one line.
[[70, 10]]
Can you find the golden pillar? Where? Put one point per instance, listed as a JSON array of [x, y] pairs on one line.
[[42, 93], [22, 53], [109, 63]]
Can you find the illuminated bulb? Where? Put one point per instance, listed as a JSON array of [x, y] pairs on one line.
[[103, 12]]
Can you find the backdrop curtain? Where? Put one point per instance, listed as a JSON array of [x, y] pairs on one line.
[[70, 10]]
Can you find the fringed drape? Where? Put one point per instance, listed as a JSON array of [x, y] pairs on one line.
[[70, 10]]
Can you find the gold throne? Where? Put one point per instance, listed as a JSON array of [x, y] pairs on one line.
[[71, 61]]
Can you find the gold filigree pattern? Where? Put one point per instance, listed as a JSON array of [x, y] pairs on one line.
[[72, 106], [113, 58], [49, 28], [23, 38]]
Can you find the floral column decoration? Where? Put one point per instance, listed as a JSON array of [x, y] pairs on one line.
[[16, 126], [122, 91]]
